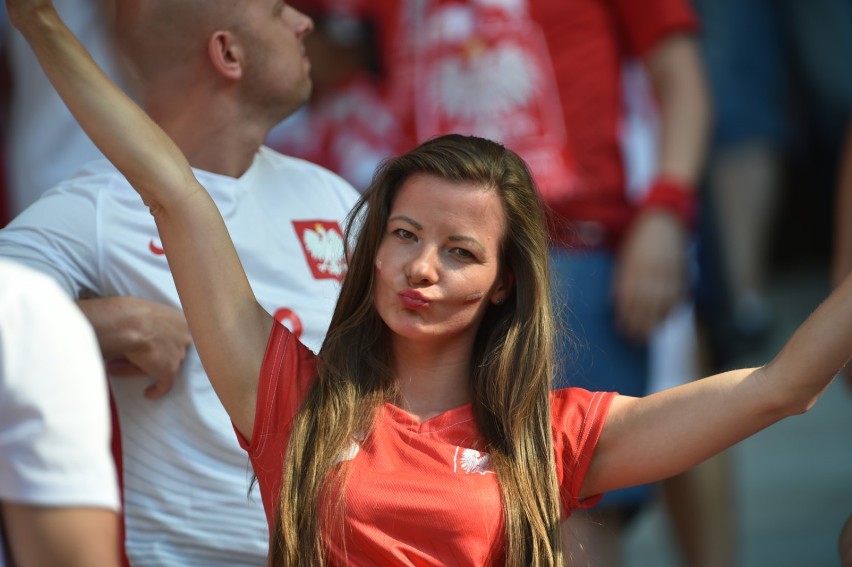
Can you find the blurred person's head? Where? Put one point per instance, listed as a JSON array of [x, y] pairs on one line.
[[340, 47]]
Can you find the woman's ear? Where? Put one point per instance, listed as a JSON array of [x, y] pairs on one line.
[[503, 287], [226, 54]]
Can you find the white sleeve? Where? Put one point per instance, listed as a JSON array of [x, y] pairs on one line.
[[54, 410], [58, 235]]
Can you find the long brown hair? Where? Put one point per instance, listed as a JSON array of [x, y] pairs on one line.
[[510, 366]]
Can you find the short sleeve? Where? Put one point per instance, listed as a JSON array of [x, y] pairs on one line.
[[58, 235], [646, 23], [54, 409], [578, 418], [287, 373]]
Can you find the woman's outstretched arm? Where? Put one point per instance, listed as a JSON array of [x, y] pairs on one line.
[[229, 327], [648, 439]]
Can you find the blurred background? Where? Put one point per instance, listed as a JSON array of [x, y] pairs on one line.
[[774, 186]]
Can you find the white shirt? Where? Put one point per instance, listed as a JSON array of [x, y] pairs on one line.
[[54, 411], [186, 480]]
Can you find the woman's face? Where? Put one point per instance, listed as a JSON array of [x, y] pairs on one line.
[[438, 264]]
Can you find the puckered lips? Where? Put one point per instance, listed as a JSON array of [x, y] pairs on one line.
[[413, 299]]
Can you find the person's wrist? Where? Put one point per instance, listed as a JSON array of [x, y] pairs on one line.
[[673, 196]]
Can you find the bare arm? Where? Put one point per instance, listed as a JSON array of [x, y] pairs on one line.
[[648, 439], [677, 76], [228, 326], [652, 275], [139, 337], [842, 262], [62, 537]]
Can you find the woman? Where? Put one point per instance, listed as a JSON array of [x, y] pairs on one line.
[[425, 432]]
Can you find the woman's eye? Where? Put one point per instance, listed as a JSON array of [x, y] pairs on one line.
[[404, 234], [462, 253]]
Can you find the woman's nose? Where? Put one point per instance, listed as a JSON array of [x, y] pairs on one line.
[[423, 268]]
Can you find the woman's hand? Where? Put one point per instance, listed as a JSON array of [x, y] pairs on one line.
[[21, 12]]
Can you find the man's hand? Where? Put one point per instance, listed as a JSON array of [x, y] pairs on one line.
[[651, 275], [140, 338]]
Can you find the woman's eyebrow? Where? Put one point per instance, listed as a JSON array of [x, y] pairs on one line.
[[409, 220], [470, 239]]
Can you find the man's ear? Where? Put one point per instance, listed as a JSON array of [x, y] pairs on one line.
[[226, 54]]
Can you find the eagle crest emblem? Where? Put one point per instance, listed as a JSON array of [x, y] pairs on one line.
[[322, 243], [472, 461]]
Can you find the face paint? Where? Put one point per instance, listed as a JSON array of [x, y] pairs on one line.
[[473, 298], [437, 264]]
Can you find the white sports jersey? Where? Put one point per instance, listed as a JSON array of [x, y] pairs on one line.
[[186, 479], [54, 413]]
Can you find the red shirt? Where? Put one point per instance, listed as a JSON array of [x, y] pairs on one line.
[[417, 493], [541, 76]]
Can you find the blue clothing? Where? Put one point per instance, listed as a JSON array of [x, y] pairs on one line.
[[596, 356], [755, 49]]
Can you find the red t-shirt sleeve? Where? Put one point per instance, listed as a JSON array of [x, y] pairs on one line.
[[288, 371], [578, 418], [647, 22]]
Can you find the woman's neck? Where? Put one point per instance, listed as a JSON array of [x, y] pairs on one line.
[[432, 379]]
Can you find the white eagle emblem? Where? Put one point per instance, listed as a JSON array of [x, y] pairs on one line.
[[472, 461], [505, 72], [326, 249], [348, 454]]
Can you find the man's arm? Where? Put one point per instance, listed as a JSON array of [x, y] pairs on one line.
[[61, 537], [139, 337], [651, 278], [58, 487]]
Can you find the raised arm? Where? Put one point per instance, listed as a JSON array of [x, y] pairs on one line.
[[648, 439], [842, 257], [228, 326]]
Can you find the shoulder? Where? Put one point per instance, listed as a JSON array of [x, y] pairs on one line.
[[96, 172], [30, 299], [577, 398], [37, 316], [578, 420], [91, 181], [577, 412], [648, 23], [21, 286], [311, 177]]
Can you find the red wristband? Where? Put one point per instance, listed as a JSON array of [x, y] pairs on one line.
[[674, 196]]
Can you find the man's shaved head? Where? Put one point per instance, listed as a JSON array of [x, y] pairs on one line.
[[162, 39], [243, 59]]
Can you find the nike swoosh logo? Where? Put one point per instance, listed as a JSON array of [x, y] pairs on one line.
[[156, 249]]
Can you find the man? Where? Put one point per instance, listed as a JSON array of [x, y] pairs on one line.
[[58, 490], [216, 76]]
